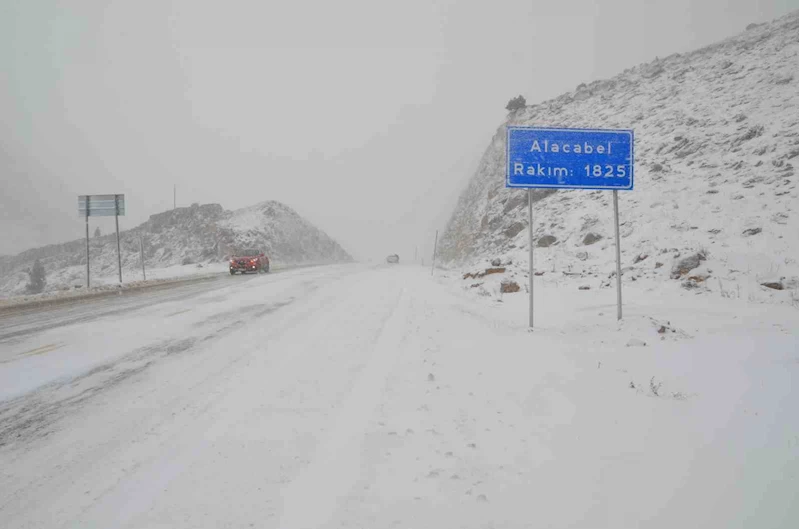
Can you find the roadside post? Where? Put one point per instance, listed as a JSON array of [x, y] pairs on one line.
[[435, 249], [618, 254], [532, 267], [562, 158], [119, 250], [141, 252], [87, 240], [102, 206]]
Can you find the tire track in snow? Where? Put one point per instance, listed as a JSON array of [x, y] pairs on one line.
[[219, 401], [336, 465], [33, 415]]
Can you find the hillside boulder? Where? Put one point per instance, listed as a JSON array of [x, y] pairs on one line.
[[514, 229], [516, 201], [591, 238], [546, 241], [491, 271], [686, 264], [774, 285]]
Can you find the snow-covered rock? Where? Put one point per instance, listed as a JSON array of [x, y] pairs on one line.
[[716, 145], [199, 234]]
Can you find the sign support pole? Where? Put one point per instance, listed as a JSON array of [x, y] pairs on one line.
[[552, 158], [435, 249], [141, 251], [532, 275], [87, 242], [618, 253], [119, 251]]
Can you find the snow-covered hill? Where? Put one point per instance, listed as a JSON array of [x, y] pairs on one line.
[[196, 235], [717, 139]]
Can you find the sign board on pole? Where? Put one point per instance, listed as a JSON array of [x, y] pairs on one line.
[[101, 205], [570, 158]]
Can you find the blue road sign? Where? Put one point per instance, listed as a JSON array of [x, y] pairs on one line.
[[570, 158]]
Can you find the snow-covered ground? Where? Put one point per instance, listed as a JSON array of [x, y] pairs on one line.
[[355, 396], [69, 286], [168, 272]]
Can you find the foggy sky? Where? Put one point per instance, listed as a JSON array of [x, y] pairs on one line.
[[366, 116]]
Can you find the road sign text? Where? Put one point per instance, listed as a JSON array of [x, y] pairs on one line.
[[569, 158]]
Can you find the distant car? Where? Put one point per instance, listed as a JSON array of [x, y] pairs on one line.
[[392, 259], [249, 260]]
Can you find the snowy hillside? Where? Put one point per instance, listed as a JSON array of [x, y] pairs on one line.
[[285, 235], [199, 235], [717, 138]]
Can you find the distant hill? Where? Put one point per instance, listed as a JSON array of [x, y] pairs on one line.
[[199, 234]]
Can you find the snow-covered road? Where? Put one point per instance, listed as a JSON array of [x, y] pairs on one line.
[[20, 320], [371, 397]]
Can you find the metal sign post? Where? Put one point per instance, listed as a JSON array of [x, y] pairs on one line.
[[570, 159], [532, 274], [618, 253], [87, 243], [102, 206], [119, 250]]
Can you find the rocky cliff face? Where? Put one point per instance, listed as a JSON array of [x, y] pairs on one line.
[[717, 141], [199, 234]]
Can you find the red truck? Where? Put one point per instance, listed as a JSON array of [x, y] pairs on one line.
[[249, 260]]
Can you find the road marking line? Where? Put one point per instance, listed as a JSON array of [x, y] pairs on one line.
[[33, 352]]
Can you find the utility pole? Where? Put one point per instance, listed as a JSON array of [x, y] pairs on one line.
[[174, 196]]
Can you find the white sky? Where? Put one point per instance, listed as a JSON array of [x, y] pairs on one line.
[[366, 116]]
